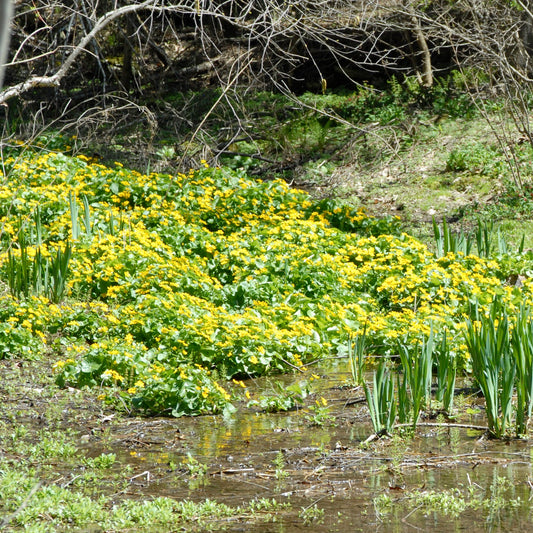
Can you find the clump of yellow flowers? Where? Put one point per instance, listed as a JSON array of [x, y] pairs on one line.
[[178, 283]]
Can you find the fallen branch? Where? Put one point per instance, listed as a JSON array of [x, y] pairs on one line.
[[5, 521], [441, 425], [384, 433]]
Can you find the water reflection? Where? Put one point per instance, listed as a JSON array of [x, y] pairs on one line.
[[327, 467]]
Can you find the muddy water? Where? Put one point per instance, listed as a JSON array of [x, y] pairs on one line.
[[282, 456]]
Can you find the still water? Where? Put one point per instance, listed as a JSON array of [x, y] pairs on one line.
[[332, 480]]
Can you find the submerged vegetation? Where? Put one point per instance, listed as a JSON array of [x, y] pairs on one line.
[[89, 497], [492, 502]]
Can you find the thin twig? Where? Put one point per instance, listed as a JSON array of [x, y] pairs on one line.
[[404, 519], [375, 436], [214, 106], [145, 473], [445, 425]]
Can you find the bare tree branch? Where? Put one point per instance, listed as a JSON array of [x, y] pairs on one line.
[[55, 79], [238, 45]]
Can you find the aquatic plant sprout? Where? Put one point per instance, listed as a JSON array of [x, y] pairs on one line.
[[489, 242], [446, 371], [175, 284], [381, 400], [501, 345], [356, 356], [402, 405], [417, 366], [493, 367], [522, 349]]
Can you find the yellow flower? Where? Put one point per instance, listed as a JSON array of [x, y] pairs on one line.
[[59, 365], [112, 374], [254, 360]]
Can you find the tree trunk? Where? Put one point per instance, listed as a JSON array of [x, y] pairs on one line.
[[6, 10], [427, 71]]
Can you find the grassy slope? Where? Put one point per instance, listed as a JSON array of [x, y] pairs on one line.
[[402, 151]]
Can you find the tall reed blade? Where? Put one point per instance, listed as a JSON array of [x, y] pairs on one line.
[[417, 365], [488, 342], [111, 224], [522, 349], [404, 399], [381, 401], [356, 355], [446, 241], [58, 274], [87, 216], [446, 374], [484, 239], [439, 239], [502, 243], [19, 266], [37, 272], [522, 244], [38, 227], [75, 227]]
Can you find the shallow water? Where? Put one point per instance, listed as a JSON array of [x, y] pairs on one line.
[[324, 466]]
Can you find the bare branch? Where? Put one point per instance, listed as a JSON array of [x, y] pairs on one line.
[[55, 79]]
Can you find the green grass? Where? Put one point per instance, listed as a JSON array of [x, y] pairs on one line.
[[28, 505], [491, 500]]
